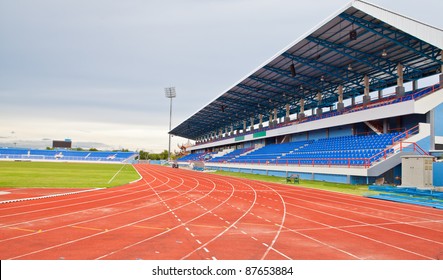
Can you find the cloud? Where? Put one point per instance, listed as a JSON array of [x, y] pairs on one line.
[[73, 64]]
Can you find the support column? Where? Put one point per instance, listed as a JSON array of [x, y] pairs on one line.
[[271, 122], [441, 70], [275, 117], [287, 118], [319, 109], [366, 96], [260, 126], [400, 89], [385, 126], [252, 123], [340, 104], [301, 115], [244, 126], [232, 130], [380, 94], [430, 118], [414, 85]]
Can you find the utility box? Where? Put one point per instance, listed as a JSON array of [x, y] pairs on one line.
[[417, 171]]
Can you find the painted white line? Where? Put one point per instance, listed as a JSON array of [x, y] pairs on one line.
[[198, 241], [47, 196], [206, 250]]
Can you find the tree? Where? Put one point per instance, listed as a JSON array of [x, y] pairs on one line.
[[164, 154], [143, 155], [154, 156]]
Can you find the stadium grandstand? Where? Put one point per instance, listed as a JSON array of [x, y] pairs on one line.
[[20, 154], [343, 103]]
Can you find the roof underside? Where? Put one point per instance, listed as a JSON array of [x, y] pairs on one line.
[[323, 60]]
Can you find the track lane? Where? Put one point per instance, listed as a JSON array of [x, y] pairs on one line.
[[180, 214]]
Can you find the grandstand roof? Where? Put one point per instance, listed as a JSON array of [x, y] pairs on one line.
[[325, 58]]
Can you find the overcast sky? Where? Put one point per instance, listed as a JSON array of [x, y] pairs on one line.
[[95, 71]]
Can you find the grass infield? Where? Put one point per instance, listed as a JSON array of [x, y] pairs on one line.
[[64, 175], [335, 187]]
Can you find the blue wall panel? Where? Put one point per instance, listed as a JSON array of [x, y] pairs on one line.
[[425, 143], [438, 117], [260, 172], [331, 178], [438, 174], [277, 173]]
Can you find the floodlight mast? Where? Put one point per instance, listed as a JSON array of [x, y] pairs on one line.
[[170, 93]]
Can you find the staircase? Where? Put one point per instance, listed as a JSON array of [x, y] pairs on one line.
[[401, 147], [375, 127]]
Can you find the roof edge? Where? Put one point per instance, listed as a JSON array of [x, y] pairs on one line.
[[425, 32]]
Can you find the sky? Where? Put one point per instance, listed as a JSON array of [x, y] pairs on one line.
[[94, 71]]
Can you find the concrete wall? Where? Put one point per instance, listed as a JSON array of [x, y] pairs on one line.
[[345, 130], [317, 134]]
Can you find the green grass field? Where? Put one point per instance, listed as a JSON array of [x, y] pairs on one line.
[[335, 187], [64, 175]]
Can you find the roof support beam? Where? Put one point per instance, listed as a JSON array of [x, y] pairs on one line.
[[396, 38], [337, 72], [365, 58]]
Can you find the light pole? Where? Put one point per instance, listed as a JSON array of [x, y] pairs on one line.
[[170, 93]]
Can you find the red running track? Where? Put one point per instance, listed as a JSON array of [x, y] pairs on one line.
[[174, 214]]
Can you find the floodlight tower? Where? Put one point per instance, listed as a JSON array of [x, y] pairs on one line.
[[170, 93]]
